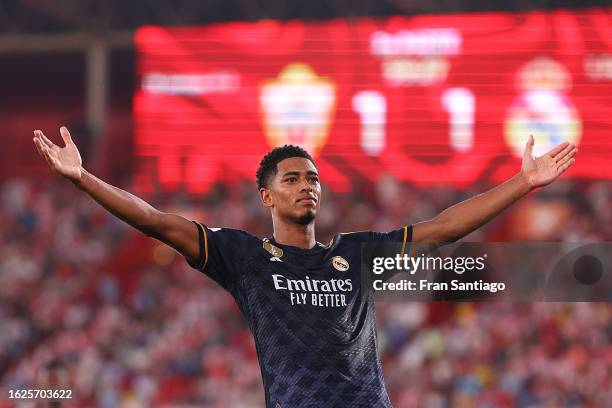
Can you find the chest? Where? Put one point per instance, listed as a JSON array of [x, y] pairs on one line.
[[327, 281]]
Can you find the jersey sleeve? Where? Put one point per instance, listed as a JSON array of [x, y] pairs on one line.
[[403, 235], [384, 244], [219, 254]]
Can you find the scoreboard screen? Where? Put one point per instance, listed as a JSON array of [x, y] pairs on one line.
[[444, 99]]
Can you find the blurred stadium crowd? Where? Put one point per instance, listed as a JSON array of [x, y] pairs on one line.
[[88, 304]]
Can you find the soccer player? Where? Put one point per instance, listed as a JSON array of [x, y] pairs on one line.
[[314, 332]]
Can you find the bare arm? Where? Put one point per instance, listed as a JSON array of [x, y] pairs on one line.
[[173, 230], [459, 220]]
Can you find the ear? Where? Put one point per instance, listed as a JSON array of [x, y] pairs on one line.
[[266, 198]]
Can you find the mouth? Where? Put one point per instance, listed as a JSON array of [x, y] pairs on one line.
[[309, 200]]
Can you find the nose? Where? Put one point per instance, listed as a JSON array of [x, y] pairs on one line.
[[306, 186]]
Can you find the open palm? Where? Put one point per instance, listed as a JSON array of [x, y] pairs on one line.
[[64, 160], [543, 170]]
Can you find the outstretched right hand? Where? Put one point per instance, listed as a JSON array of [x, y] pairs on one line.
[[64, 160]]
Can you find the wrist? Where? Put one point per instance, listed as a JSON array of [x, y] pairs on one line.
[[525, 180], [79, 178]]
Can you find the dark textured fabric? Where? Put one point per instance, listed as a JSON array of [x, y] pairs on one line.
[[314, 332]]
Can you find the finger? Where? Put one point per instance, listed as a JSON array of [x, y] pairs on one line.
[[36, 142], [46, 154], [37, 136], [567, 157], [563, 153], [65, 135], [39, 147], [529, 147], [566, 165], [47, 142], [555, 150], [561, 169]]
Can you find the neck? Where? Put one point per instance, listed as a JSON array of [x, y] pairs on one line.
[[290, 233]]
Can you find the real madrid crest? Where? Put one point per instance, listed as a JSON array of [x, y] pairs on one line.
[[340, 264], [543, 108], [274, 250]]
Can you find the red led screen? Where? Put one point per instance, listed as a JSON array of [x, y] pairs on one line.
[[430, 99]]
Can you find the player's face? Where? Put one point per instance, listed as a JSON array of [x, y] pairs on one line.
[[295, 191]]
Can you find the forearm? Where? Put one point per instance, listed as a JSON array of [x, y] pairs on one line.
[[129, 208], [174, 230], [462, 218]]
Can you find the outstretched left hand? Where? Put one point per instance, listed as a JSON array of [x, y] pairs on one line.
[[543, 170]]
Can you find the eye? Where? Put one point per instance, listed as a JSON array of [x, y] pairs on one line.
[[291, 179], [314, 179]]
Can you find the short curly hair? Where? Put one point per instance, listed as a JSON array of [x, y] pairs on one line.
[[268, 165]]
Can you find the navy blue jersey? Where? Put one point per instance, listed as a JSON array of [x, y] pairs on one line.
[[314, 332]]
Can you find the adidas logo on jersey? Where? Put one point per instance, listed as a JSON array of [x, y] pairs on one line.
[[276, 259]]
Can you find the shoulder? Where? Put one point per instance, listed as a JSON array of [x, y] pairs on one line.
[[231, 236], [401, 234], [353, 238], [361, 236]]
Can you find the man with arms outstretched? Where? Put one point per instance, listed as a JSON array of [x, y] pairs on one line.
[[314, 332]]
